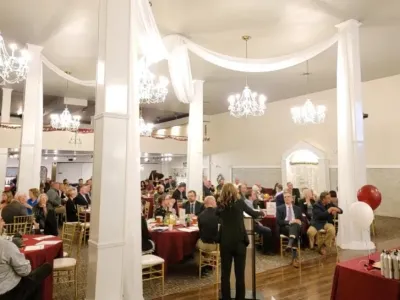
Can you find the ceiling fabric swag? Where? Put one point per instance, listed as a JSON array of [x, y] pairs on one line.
[[258, 65], [61, 73]]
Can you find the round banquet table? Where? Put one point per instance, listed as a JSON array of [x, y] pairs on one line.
[[39, 257], [174, 245]]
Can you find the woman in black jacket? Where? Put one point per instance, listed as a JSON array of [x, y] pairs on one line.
[[147, 243], [307, 203], [45, 216], [70, 207], [233, 239]]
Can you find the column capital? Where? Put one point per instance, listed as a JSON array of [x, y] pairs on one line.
[[35, 48], [352, 23], [5, 89]]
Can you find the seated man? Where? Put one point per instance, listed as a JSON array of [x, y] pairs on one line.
[[17, 280], [260, 229], [15, 208], [192, 206], [323, 212], [288, 217]]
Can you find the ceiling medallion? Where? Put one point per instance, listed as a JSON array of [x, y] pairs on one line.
[[308, 113], [248, 103], [150, 90], [13, 68]]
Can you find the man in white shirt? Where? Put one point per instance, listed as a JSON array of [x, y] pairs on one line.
[[17, 282]]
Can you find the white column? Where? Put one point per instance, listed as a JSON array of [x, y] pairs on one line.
[[114, 268], [3, 166], [351, 157], [6, 105], [32, 124], [195, 141]]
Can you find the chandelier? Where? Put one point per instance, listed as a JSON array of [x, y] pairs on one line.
[[65, 121], [308, 113], [13, 68], [248, 103], [145, 128], [150, 90]]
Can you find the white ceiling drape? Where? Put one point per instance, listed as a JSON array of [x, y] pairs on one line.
[[175, 49]]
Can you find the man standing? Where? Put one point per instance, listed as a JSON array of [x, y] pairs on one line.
[[323, 213], [264, 231], [192, 206], [53, 194], [208, 226], [289, 221]]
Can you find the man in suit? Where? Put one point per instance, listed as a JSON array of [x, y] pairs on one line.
[[288, 217], [323, 212], [15, 208], [192, 206], [208, 226], [53, 194], [81, 198], [260, 229], [180, 194]]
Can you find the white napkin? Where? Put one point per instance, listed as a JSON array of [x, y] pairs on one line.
[[48, 243], [33, 248], [189, 229], [44, 237]]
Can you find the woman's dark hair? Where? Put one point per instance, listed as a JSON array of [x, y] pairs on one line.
[[333, 194], [229, 195]]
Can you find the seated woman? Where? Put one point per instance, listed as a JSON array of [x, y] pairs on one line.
[[161, 210], [70, 207], [33, 199], [307, 203], [172, 205], [45, 216], [6, 198], [147, 244]]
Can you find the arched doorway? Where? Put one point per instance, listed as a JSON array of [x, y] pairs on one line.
[[306, 166]]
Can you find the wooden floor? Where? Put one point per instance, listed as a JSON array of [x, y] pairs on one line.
[[312, 281]]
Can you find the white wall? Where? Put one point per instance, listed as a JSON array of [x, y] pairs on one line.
[[261, 141]]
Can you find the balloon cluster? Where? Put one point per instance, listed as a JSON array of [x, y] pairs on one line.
[[362, 212]]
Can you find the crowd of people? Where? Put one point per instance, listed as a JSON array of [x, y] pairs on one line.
[[54, 203]]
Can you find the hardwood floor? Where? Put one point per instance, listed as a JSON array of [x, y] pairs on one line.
[[312, 281]]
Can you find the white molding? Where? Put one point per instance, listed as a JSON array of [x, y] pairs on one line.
[[257, 167], [106, 245], [373, 167]]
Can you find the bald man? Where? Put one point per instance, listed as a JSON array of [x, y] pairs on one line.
[[208, 225]]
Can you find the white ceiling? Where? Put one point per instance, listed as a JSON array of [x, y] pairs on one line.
[[68, 31]]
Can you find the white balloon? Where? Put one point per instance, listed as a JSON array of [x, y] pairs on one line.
[[362, 215]]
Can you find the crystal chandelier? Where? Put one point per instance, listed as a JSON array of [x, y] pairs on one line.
[[65, 121], [146, 129], [308, 113], [150, 90], [13, 68], [248, 103]]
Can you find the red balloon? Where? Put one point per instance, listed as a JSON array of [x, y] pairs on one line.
[[370, 195]]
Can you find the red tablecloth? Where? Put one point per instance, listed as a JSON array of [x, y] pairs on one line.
[[270, 221], [174, 245], [39, 257], [352, 281]]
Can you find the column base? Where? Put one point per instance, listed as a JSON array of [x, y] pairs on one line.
[[358, 245]]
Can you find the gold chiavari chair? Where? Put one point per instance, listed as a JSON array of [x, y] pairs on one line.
[[211, 259], [284, 242], [65, 269], [82, 220], [14, 228], [147, 210], [68, 237], [25, 219], [153, 268]]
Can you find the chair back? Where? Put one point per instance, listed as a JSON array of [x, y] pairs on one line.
[[146, 209], [14, 228], [82, 232], [25, 219], [68, 236], [82, 218]]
